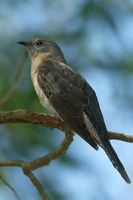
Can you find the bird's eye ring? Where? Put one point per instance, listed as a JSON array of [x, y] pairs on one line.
[[39, 43]]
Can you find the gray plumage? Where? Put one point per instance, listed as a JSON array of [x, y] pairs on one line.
[[69, 96]]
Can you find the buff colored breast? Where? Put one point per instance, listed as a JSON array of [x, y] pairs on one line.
[[43, 99]]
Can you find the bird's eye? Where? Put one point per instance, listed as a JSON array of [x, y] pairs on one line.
[[39, 43]]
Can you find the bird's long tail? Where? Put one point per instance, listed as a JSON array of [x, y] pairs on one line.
[[115, 160]]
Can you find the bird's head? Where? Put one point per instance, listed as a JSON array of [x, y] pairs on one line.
[[39, 46]]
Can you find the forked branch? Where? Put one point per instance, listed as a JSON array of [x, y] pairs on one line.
[[25, 116]]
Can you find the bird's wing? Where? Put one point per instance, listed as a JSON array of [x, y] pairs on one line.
[[77, 104], [69, 94]]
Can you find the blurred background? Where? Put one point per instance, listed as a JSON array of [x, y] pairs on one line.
[[97, 40]]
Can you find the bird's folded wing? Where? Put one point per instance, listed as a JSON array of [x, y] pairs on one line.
[[73, 99]]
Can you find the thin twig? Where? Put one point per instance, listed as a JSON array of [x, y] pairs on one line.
[[28, 167], [18, 77], [120, 136], [37, 185], [45, 160], [10, 187]]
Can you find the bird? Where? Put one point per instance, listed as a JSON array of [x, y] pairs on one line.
[[67, 95]]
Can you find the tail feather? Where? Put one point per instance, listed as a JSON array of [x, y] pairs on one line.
[[115, 160]]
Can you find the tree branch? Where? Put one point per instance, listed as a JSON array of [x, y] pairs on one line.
[[25, 116], [45, 160], [25, 166], [28, 167], [37, 185], [120, 136]]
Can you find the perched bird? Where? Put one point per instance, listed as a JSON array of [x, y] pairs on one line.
[[68, 95]]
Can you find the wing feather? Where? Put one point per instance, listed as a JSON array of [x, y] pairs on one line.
[[76, 103]]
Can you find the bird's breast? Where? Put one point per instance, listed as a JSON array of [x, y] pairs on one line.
[[43, 99]]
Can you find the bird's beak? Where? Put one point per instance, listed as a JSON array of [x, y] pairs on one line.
[[23, 43]]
